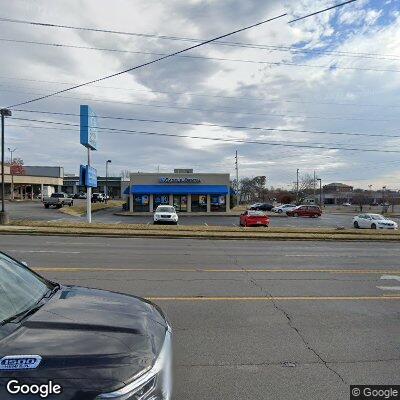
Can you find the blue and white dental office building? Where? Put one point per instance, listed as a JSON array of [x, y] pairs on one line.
[[185, 190]]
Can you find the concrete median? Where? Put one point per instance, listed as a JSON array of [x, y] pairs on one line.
[[204, 232]]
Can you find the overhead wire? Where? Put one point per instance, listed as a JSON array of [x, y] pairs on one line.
[[241, 127], [180, 52], [227, 140]]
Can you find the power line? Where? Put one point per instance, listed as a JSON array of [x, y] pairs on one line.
[[240, 60], [391, 162], [147, 133], [180, 52], [208, 95], [241, 127], [292, 50], [197, 40], [226, 110], [148, 63]]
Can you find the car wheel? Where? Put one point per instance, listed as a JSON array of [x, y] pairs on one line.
[[373, 226], [46, 206], [280, 211], [356, 225]]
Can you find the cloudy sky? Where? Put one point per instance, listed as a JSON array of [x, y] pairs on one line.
[[335, 73]]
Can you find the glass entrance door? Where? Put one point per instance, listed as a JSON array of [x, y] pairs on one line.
[[180, 203]]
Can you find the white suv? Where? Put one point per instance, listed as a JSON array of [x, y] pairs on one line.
[[166, 214]]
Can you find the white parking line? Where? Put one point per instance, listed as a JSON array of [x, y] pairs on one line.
[[205, 223], [45, 251]]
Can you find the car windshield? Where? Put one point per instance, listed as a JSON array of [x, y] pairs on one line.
[[255, 213], [166, 209], [20, 289], [377, 217]]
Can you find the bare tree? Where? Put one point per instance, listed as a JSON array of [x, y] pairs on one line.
[[125, 174]]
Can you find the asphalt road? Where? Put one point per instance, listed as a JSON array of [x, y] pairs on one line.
[[35, 211], [251, 320]]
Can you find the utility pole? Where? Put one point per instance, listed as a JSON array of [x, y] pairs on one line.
[[237, 179], [297, 186], [11, 171], [320, 191], [107, 162], [4, 218], [314, 187]]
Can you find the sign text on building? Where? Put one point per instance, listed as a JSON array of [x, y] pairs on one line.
[[180, 180]]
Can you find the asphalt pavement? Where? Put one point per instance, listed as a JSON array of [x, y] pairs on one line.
[[35, 211], [251, 320]]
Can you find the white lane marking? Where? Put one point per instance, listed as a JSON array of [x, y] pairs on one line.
[[390, 277], [79, 244], [303, 255], [46, 251], [389, 287]]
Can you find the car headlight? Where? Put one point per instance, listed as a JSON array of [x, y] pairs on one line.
[[156, 381]]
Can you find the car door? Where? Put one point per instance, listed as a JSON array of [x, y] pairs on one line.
[[302, 211], [243, 218], [363, 221]]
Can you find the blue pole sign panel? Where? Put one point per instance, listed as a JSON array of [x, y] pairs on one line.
[[88, 127], [82, 175], [91, 176]]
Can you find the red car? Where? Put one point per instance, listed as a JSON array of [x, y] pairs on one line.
[[254, 218], [305, 211]]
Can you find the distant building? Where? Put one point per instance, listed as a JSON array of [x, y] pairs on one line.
[[26, 181], [337, 187], [71, 185]]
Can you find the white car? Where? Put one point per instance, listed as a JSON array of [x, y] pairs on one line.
[[283, 208], [373, 221], [166, 214]]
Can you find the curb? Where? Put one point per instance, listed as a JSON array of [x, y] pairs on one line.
[[303, 236]]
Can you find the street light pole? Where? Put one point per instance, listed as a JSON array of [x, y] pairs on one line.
[[297, 186], [4, 219], [11, 172], [107, 162], [320, 191]]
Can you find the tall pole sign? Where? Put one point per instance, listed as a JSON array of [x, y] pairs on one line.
[[88, 138]]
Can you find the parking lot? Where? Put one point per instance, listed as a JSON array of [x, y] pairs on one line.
[[35, 211], [279, 320]]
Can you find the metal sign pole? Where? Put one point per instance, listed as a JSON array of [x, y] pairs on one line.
[[88, 195]]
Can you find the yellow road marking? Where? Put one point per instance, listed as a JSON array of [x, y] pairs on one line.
[[277, 298], [263, 270]]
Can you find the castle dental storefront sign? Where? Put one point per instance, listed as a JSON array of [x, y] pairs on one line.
[[180, 180]]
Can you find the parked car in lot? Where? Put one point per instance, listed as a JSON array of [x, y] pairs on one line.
[[254, 218], [80, 195], [305, 211], [283, 208], [98, 198], [373, 221], [347, 204], [58, 200], [261, 207], [93, 343], [165, 214]]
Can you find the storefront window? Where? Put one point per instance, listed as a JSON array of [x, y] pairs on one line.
[[160, 199], [141, 202], [180, 203], [218, 203], [199, 203]]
